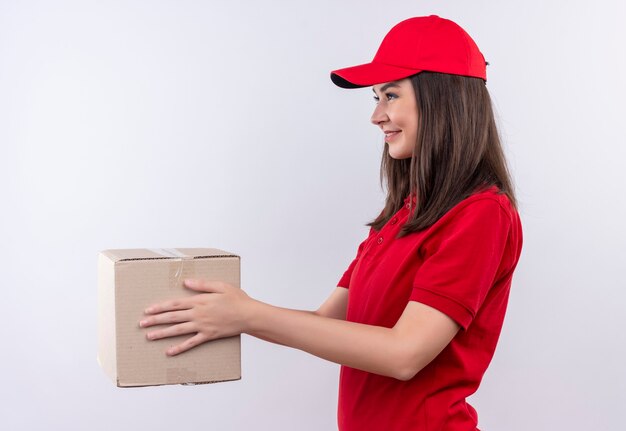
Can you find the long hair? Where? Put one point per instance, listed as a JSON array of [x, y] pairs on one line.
[[457, 152]]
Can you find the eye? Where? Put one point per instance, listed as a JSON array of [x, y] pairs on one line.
[[391, 96], [388, 95]]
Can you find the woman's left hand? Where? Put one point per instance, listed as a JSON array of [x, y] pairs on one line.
[[220, 311]]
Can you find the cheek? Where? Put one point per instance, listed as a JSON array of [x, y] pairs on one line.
[[406, 115], [411, 135], [412, 125]]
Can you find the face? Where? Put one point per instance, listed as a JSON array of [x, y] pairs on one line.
[[396, 115]]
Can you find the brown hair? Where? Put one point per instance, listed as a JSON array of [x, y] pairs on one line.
[[457, 153]]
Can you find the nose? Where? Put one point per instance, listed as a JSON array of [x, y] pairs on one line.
[[379, 115]]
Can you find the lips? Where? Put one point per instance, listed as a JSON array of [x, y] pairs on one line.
[[390, 134]]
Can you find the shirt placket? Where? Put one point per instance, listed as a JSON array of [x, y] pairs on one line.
[[391, 225]]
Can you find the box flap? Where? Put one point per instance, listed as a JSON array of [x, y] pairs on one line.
[[118, 255]]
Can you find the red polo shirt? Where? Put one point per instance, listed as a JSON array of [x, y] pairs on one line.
[[462, 265]]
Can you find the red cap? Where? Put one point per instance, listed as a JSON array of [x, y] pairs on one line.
[[424, 43]]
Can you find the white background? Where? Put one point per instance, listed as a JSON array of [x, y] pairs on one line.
[[128, 124]]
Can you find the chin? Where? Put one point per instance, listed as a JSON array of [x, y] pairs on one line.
[[399, 156], [393, 152]]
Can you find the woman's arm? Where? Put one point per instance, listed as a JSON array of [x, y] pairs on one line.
[[224, 310], [336, 304], [334, 307], [399, 352]]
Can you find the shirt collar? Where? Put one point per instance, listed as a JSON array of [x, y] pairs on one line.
[[409, 198]]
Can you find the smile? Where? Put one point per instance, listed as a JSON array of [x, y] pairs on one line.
[[391, 135]]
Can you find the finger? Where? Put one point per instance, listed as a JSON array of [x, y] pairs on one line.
[[169, 317], [189, 343], [172, 331], [173, 304], [205, 285]]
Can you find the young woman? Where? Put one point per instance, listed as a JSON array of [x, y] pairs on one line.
[[415, 318]]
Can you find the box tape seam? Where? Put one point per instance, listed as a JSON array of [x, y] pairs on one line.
[[177, 255]]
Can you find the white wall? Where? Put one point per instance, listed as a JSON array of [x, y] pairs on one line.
[[187, 124]]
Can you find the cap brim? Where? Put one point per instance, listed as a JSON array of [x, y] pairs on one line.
[[368, 74]]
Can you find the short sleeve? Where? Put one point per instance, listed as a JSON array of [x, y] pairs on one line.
[[462, 259], [345, 279]]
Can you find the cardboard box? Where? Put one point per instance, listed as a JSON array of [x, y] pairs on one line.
[[131, 279]]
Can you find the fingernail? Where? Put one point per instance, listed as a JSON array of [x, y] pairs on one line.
[[148, 310], [143, 322]]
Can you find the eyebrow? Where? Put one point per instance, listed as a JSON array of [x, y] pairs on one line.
[[386, 86]]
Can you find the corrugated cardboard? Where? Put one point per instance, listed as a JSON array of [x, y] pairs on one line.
[[131, 279]]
